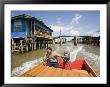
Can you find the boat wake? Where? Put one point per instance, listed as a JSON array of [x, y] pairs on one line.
[[74, 53], [93, 60], [18, 71]]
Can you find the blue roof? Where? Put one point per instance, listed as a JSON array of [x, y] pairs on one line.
[[18, 35]]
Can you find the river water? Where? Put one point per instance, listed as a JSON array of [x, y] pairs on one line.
[[23, 62]]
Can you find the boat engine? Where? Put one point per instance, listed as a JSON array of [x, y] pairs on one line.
[[66, 56]]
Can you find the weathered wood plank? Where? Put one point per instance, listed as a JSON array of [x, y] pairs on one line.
[[58, 72], [47, 72]]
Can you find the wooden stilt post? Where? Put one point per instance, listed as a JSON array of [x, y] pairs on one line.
[[14, 46], [21, 45], [43, 44], [12, 43], [26, 45], [47, 44], [34, 44], [39, 44], [30, 45], [50, 43]]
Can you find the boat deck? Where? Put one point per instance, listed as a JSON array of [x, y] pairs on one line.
[[46, 71]]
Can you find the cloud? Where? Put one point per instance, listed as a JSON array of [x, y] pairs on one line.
[[65, 30], [92, 33], [73, 32], [57, 28], [76, 19], [69, 29]]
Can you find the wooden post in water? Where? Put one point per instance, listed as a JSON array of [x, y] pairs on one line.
[[39, 44], [26, 44], [27, 47], [75, 41], [45, 43], [12, 44], [32, 47], [50, 43], [21, 45], [34, 44]]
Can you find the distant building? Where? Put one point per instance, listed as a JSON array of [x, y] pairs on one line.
[[59, 40]]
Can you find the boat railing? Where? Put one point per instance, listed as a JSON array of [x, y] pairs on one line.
[[89, 68]]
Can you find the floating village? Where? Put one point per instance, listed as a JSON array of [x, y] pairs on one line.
[[32, 42]]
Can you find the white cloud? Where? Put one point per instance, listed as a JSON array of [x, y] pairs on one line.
[[65, 30], [69, 29], [76, 19], [73, 32], [93, 33], [57, 28]]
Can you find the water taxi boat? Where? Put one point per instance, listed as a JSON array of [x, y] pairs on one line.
[[78, 68]]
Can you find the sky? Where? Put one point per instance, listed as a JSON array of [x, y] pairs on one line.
[[68, 23]]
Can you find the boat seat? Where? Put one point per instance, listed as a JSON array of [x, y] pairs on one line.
[[77, 64]]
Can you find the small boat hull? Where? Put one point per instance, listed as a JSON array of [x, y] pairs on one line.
[[77, 68]]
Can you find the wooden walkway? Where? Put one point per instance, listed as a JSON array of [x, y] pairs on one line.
[[46, 71]]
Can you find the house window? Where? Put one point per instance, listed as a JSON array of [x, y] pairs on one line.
[[17, 25], [18, 28]]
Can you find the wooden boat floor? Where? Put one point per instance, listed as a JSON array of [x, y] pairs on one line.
[[46, 71]]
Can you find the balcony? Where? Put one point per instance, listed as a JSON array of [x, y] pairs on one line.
[[44, 35]]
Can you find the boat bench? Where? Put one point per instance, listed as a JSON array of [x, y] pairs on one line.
[[77, 64]]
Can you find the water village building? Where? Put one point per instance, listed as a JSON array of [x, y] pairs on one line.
[[29, 33]]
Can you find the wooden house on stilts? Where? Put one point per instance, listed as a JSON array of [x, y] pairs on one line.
[[29, 33]]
